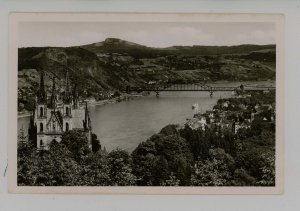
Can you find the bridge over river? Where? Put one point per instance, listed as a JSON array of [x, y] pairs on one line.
[[197, 87]]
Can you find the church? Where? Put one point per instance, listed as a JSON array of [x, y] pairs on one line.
[[57, 114]]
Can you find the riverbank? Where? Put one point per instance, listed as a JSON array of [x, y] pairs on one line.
[[123, 97]]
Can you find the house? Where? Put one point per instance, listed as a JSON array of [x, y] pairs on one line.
[[196, 123], [238, 125], [225, 104], [211, 114]]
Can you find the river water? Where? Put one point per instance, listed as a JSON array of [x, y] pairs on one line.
[[126, 124]]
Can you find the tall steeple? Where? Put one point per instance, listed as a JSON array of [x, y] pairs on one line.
[[75, 98], [41, 95], [53, 96], [67, 95]]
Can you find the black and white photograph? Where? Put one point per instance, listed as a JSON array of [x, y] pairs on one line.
[[148, 100]]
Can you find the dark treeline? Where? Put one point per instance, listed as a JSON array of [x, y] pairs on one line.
[[173, 157]]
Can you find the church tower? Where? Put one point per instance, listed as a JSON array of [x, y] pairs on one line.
[[53, 99], [75, 98], [67, 107], [41, 113], [53, 117]]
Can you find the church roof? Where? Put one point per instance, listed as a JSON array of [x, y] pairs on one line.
[[55, 115]]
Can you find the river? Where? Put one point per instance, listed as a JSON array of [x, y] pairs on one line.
[[126, 124]]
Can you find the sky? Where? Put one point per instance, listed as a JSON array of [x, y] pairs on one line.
[[63, 34]]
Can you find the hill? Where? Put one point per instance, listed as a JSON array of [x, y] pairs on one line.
[[114, 45], [114, 63]]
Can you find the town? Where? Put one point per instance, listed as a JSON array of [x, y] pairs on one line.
[[236, 113]]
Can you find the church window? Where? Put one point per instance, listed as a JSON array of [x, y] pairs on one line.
[[67, 110], [41, 127], [67, 126], [41, 111], [41, 142]]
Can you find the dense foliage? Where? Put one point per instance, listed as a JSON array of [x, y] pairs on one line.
[[164, 159], [66, 165]]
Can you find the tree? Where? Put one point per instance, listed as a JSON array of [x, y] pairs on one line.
[[197, 140], [161, 171], [172, 181], [144, 160], [160, 157], [76, 142], [257, 161], [215, 171], [242, 178], [96, 171], [268, 170], [120, 170], [96, 146], [25, 161], [55, 167], [169, 130]]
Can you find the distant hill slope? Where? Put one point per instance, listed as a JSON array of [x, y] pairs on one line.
[[114, 64], [114, 45]]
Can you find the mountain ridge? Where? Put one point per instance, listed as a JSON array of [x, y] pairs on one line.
[[118, 46], [114, 64]]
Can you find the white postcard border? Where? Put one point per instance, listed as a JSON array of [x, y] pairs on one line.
[[16, 18]]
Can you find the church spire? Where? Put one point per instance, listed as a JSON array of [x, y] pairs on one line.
[[67, 96], [75, 98], [41, 95], [53, 96]]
